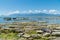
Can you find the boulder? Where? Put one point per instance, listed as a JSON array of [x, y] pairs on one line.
[[58, 28], [20, 34], [46, 34], [36, 36], [55, 30], [26, 36], [46, 30], [56, 33], [39, 31]]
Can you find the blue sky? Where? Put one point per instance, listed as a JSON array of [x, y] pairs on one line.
[[28, 6]]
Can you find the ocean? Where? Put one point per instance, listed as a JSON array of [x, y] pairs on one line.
[[48, 19]]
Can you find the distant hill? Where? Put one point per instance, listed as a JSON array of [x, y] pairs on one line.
[[33, 17], [32, 14]]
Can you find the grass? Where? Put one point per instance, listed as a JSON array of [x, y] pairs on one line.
[[13, 36], [9, 36], [31, 32]]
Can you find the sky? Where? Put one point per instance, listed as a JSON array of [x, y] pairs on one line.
[[8, 7]]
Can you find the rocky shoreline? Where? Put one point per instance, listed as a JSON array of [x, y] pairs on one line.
[[31, 30]]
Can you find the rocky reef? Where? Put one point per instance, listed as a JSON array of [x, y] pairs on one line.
[[29, 31]]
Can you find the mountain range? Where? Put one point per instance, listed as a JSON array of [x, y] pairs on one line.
[[32, 14]]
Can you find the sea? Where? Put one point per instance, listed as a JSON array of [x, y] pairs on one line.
[[48, 19]]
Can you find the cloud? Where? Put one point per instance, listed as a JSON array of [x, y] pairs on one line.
[[44, 11], [11, 12], [17, 11], [37, 11], [27, 11], [31, 11], [51, 11], [54, 12]]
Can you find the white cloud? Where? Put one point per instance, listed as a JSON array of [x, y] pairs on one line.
[[17, 11], [11, 12], [53, 11], [37, 11], [45, 11], [31, 11], [26, 11]]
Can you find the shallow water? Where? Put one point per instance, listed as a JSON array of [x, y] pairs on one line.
[[49, 21]]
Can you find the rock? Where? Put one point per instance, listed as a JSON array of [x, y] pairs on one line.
[[20, 34], [19, 31], [26, 36], [57, 38], [46, 34], [46, 30], [21, 39], [30, 38], [56, 33], [36, 36], [39, 31], [58, 28]]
